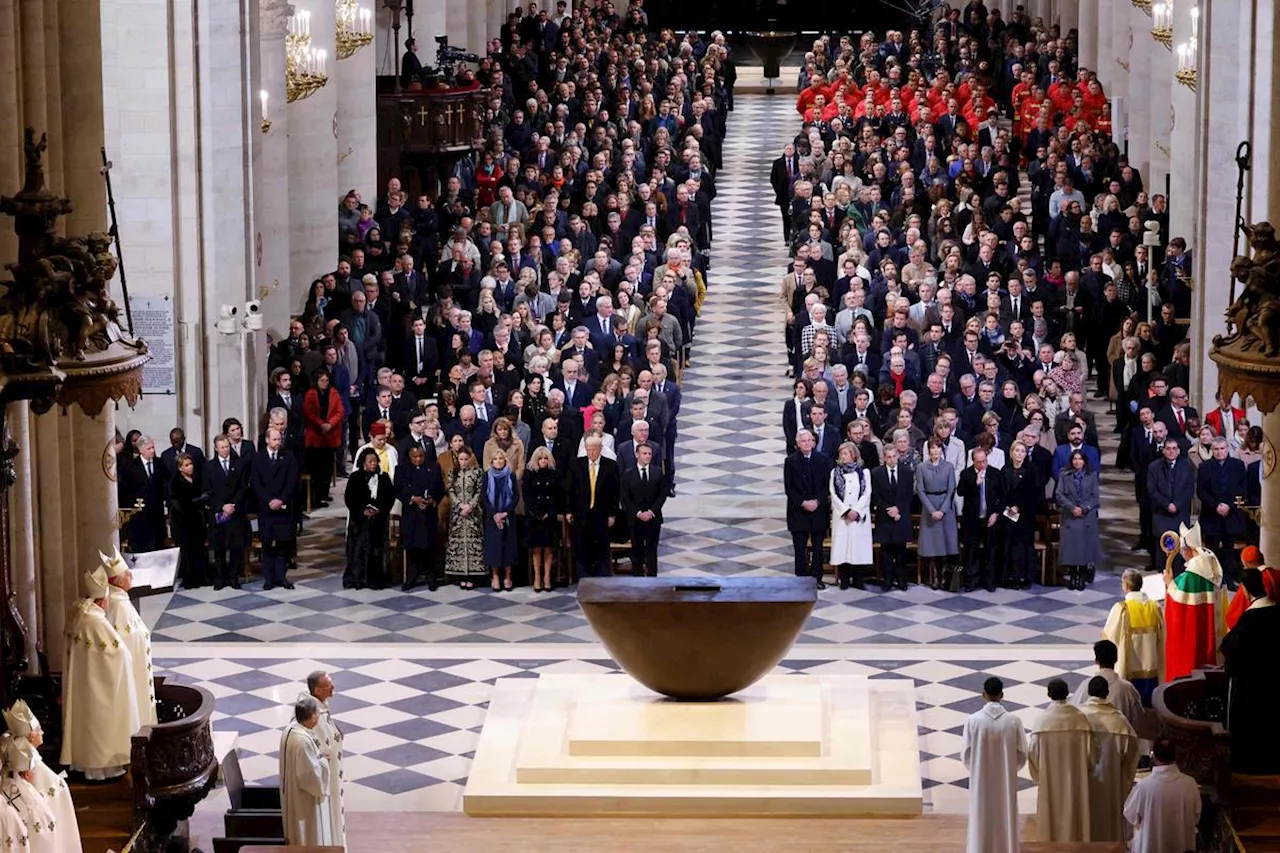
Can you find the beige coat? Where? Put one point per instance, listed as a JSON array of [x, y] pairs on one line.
[[1061, 754], [1112, 778]]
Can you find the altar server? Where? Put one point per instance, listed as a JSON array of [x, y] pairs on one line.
[[995, 747], [1136, 626], [23, 725], [1061, 753], [329, 738], [1164, 808], [304, 779], [1117, 762], [33, 807], [133, 632], [99, 704]]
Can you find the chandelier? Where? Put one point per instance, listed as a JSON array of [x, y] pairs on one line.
[[304, 68], [353, 27], [1188, 54], [1162, 23]]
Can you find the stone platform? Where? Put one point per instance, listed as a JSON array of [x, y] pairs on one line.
[[789, 745]]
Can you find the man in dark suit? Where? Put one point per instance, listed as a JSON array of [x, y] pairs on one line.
[[226, 476], [421, 360], [549, 437], [892, 487], [826, 437], [1220, 485], [805, 476], [983, 492], [1145, 446], [671, 393], [580, 345], [383, 408], [643, 494], [628, 451], [1076, 412], [274, 480], [143, 479], [1014, 305], [577, 391], [1177, 414], [283, 397], [177, 446], [592, 500], [782, 176], [1171, 484]]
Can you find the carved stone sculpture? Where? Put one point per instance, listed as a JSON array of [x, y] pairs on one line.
[[1247, 355]]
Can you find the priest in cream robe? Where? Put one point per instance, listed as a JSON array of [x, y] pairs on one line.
[[1061, 755], [1136, 626], [995, 748], [99, 704], [1117, 762], [304, 779], [133, 631], [1164, 808], [13, 830], [329, 737], [23, 725], [33, 807], [1121, 693]]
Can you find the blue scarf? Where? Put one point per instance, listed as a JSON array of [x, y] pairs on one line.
[[848, 469], [499, 489]]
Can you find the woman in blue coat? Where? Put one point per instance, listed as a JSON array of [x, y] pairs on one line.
[[499, 495], [1080, 540]]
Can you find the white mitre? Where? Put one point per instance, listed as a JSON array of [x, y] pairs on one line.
[[19, 720], [114, 565], [95, 584]]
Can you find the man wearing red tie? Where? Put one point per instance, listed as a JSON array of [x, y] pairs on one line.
[[1177, 413]]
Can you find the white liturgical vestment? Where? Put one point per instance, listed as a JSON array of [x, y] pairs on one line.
[[304, 787], [1112, 777], [995, 747], [13, 831], [1061, 755], [1163, 810], [329, 738], [133, 632], [53, 787], [37, 816], [99, 704]]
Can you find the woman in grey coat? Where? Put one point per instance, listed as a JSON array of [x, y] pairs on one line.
[[936, 488], [1080, 542]]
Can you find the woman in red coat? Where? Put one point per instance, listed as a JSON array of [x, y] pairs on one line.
[[322, 415], [488, 175]]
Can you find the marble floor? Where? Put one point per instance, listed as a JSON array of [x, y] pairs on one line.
[[414, 671]]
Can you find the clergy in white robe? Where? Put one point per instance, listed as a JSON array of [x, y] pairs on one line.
[[995, 748], [133, 631], [1122, 694], [304, 779], [1136, 626], [22, 724], [36, 811], [1164, 808], [13, 830], [329, 737], [99, 705], [1112, 777], [1061, 755]]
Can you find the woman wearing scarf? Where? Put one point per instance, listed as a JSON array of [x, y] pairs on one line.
[[936, 488], [1023, 496], [368, 498], [851, 546], [420, 489], [322, 416], [498, 499], [1080, 540], [503, 440], [464, 551], [188, 518]]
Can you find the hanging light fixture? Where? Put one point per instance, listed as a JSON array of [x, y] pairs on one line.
[[304, 67], [353, 27]]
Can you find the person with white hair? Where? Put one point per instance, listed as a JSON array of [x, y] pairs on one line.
[[1136, 626], [304, 779]]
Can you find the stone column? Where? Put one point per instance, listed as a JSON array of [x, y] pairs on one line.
[[95, 495], [271, 177], [30, 15], [357, 125], [313, 170], [80, 83], [1184, 156], [430, 21], [1223, 89], [477, 27], [497, 16], [1087, 24], [457, 22], [22, 536], [11, 167], [1137, 104], [59, 579], [1159, 94]]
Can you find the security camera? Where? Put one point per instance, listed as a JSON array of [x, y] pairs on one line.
[[227, 319], [253, 315]]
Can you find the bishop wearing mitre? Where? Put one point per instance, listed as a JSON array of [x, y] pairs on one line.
[[329, 736], [99, 703], [22, 725], [304, 779], [133, 632], [1195, 608], [35, 810]]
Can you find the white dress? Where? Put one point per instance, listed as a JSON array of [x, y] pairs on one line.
[[851, 540], [995, 747], [304, 787], [133, 631], [99, 704]]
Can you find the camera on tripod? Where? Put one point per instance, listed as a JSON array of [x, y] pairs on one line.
[[448, 58]]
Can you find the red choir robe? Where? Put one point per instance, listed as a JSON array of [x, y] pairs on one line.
[[1195, 610], [1240, 601]]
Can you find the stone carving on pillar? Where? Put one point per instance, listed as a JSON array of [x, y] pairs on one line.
[[1246, 356], [273, 18], [60, 341]]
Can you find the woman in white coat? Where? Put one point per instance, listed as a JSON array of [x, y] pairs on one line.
[[850, 516]]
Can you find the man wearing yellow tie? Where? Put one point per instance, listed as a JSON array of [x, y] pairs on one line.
[[592, 501]]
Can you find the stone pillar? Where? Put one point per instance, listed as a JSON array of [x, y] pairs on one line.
[[357, 123], [33, 63], [1087, 24], [1184, 156], [1270, 523], [271, 177], [1159, 94], [11, 166], [430, 21], [1223, 88], [498, 16], [59, 578], [80, 83], [457, 21], [477, 27], [1137, 104], [95, 495], [22, 536], [313, 170]]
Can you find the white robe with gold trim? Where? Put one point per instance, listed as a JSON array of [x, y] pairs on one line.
[[37, 816], [54, 788], [133, 631], [99, 704], [329, 738], [304, 787]]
